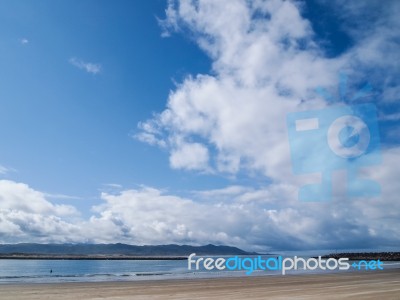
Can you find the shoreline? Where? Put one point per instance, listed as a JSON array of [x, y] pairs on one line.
[[353, 285]]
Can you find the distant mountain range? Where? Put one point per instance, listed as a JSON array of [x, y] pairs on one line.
[[117, 249]]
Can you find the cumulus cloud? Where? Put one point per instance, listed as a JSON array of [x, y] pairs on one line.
[[86, 66], [264, 218], [26, 215], [192, 156], [264, 67], [266, 63], [19, 196]]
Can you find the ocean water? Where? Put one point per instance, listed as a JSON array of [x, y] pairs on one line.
[[15, 270], [53, 271]]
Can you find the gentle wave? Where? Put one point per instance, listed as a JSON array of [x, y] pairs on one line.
[[85, 275]]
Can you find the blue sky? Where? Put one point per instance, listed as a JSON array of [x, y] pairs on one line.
[[68, 131], [164, 122]]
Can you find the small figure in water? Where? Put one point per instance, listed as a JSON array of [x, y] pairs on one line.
[[51, 271]]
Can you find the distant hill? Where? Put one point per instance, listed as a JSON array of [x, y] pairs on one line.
[[118, 249]]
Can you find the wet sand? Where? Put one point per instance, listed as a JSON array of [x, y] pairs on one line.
[[358, 285]]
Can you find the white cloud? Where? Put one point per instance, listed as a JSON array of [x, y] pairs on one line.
[[87, 66], [19, 196], [26, 215], [24, 41], [191, 156], [265, 218], [268, 217], [113, 185], [61, 196], [374, 29], [150, 139], [263, 69], [3, 170], [390, 117]]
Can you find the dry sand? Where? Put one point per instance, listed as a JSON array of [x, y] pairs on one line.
[[362, 285]]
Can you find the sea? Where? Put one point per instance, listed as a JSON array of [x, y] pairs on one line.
[[14, 271]]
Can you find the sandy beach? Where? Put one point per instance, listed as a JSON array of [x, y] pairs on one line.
[[362, 285]]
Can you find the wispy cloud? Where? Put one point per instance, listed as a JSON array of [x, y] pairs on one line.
[[6, 170], [93, 68], [61, 196], [391, 117], [3, 170], [24, 41], [113, 185]]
